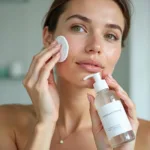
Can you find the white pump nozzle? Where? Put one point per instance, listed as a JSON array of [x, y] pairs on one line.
[[96, 77], [99, 83]]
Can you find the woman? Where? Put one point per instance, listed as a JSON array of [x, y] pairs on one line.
[[95, 31]]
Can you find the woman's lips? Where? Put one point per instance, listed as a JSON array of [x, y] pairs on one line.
[[90, 67]]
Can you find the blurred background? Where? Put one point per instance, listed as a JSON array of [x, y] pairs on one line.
[[21, 38]]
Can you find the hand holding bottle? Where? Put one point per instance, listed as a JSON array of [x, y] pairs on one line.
[[99, 133]]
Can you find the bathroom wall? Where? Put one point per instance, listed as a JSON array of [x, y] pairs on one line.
[[139, 58], [20, 39]]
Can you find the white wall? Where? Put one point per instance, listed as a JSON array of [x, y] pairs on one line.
[[20, 39], [20, 29], [139, 58]]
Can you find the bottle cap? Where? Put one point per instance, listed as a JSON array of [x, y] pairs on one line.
[[65, 48], [99, 83]]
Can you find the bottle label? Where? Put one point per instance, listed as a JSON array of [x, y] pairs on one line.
[[114, 119]]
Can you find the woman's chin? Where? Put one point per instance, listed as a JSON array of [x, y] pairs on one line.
[[87, 84], [77, 80]]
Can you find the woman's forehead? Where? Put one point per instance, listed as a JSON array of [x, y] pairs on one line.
[[96, 10]]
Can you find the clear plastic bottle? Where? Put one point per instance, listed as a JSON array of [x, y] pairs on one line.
[[114, 119]]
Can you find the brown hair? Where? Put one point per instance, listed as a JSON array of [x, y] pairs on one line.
[[59, 6]]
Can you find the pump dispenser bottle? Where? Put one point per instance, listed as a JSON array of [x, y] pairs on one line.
[[111, 111]]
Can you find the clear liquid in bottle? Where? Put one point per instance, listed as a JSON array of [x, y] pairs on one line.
[[104, 98], [111, 111], [122, 139]]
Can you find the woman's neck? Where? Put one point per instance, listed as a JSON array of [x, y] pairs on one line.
[[74, 107]]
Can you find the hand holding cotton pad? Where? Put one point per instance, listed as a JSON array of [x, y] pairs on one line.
[[65, 48]]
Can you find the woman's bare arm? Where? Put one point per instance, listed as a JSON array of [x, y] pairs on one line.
[[16, 119], [6, 142], [41, 137], [7, 137]]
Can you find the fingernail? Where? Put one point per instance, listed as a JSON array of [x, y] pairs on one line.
[[121, 89], [89, 97], [109, 77]]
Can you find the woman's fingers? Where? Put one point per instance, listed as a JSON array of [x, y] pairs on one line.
[[126, 101], [51, 79], [43, 60], [114, 85], [40, 60], [36, 57], [96, 122], [128, 104], [45, 71]]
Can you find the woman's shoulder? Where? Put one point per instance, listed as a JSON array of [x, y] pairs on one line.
[[16, 114], [143, 135], [144, 127], [16, 122]]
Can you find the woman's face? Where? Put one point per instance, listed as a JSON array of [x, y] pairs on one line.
[[94, 31]]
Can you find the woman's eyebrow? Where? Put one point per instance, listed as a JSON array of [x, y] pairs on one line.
[[114, 26], [83, 18]]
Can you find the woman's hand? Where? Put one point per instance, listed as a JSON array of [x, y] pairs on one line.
[[101, 140], [40, 85]]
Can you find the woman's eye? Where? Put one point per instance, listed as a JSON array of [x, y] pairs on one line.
[[111, 37], [77, 28]]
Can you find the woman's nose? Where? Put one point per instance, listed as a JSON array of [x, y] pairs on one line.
[[93, 46]]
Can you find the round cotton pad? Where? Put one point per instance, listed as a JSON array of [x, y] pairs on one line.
[[65, 48]]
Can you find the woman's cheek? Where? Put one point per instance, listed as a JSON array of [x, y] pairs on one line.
[[112, 59], [75, 44]]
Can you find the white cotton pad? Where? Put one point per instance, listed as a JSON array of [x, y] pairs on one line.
[[65, 48]]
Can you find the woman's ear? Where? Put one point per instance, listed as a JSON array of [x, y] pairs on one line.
[[47, 37]]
